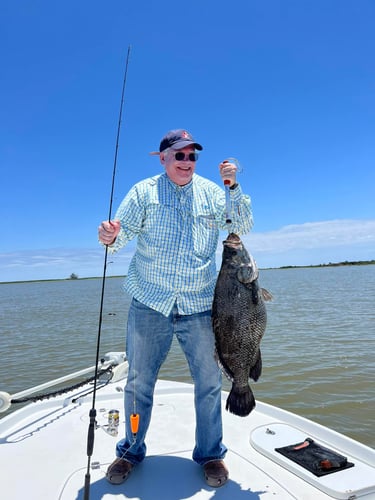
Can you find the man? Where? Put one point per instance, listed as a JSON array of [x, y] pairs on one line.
[[176, 217]]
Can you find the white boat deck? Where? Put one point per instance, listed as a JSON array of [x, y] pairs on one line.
[[43, 453]]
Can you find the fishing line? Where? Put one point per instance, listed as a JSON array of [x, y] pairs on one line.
[[92, 414]]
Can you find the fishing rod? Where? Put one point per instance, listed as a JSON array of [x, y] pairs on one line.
[[92, 414]]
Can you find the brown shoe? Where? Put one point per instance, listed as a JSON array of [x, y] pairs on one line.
[[215, 473], [119, 471]]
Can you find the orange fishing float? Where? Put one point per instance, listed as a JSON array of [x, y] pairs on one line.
[[134, 422]]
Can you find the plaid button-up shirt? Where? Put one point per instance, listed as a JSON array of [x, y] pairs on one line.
[[177, 231]]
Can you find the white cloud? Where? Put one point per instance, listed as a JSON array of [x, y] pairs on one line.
[[314, 243], [304, 244], [315, 235], [60, 263]]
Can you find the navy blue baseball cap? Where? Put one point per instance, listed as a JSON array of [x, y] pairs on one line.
[[178, 139]]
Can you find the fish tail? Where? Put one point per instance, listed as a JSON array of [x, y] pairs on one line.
[[240, 401]]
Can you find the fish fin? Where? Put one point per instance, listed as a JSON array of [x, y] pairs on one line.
[[266, 294], [256, 370], [240, 401], [228, 373]]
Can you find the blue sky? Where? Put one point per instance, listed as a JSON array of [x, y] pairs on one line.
[[285, 86]]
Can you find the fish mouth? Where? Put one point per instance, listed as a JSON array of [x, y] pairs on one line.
[[233, 240]]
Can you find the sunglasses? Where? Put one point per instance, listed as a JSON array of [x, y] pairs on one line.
[[188, 157]]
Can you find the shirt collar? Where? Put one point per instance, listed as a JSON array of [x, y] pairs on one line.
[[180, 189]]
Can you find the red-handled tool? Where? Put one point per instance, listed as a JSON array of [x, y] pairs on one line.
[[228, 219], [228, 204]]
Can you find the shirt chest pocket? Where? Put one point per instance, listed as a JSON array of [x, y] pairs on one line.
[[205, 236]]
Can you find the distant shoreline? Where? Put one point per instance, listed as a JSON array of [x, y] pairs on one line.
[[330, 264]]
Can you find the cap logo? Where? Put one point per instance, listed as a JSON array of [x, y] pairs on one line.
[[176, 137]]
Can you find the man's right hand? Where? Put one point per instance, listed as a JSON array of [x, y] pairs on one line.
[[108, 231]]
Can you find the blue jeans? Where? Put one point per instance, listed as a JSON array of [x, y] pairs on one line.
[[149, 339]]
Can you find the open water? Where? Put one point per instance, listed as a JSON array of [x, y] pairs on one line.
[[318, 350]]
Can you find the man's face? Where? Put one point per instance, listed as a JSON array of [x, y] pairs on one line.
[[179, 171]]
